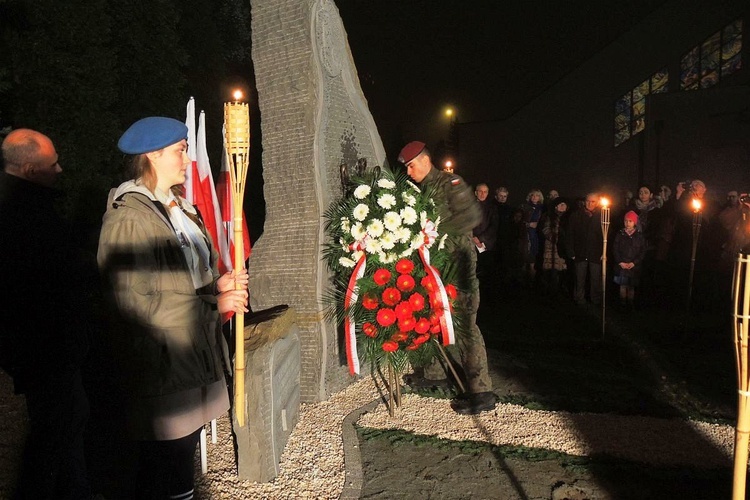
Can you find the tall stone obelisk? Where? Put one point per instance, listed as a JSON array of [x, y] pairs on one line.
[[314, 118]]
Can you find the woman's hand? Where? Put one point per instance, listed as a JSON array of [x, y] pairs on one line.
[[229, 281], [233, 301]]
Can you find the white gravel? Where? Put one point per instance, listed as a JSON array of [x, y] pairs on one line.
[[312, 465]]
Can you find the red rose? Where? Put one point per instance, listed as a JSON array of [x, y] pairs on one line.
[[390, 346], [421, 339], [382, 276], [370, 302], [391, 296], [404, 310], [422, 326], [405, 283], [429, 283], [412, 347], [370, 330], [435, 329], [404, 266], [417, 301], [450, 290], [386, 317], [399, 337], [407, 324]]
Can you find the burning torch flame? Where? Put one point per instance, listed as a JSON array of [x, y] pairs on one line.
[[237, 94], [604, 202], [696, 205]]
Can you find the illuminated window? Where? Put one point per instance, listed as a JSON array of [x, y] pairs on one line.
[[717, 57], [630, 109]]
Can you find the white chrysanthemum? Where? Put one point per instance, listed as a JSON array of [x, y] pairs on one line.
[[392, 221], [407, 252], [423, 218], [437, 223], [360, 212], [346, 262], [390, 257], [346, 224], [441, 245], [414, 186], [431, 202], [386, 183], [375, 228], [358, 231], [408, 216], [387, 200], [417, 241], [344, 244], [362, 191], [402, 234], [408, 199], [372, 246], [388, 240], [357, 255]]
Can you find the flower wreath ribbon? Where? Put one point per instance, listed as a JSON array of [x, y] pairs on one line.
[[352, 357], [446, 318]]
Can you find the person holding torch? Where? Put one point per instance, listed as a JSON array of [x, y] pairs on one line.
[[159, 270]]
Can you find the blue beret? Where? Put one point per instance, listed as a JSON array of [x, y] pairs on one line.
[[151, 134]]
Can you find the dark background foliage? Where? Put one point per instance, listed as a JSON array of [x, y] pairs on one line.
[[81, 71]]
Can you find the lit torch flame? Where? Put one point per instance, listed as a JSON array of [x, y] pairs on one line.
[[237, 94], [604, 202], [696, 205]]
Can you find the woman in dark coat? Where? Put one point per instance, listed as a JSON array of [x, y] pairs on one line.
[[629, 250]]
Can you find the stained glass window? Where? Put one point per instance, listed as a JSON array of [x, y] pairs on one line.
[[715, 58], [630, 109]]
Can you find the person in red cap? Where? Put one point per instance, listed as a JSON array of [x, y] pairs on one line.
[[629, 250], [460, 214]]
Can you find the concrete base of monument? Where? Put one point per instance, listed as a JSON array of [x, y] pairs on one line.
[[272, 381]]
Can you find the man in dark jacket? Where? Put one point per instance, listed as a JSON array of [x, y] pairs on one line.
[[42, 341], [485, 237], [460, 213], [584, 246]]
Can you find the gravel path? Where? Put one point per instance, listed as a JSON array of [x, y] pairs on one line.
[[312, 465]]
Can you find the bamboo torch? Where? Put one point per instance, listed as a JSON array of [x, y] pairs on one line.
[[696, 234], [604, 202], [237, 145], [741, 303]]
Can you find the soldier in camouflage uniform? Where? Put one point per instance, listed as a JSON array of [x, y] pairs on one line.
[[460, 213]]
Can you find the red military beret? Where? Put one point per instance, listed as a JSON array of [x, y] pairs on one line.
[[410, 151]]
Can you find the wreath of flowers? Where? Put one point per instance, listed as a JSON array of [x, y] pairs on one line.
[[393, 278]]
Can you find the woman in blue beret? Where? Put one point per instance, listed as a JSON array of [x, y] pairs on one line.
[[160, 271]]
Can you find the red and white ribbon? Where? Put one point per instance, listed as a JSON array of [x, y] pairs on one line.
[[352, 357], [446, 318]]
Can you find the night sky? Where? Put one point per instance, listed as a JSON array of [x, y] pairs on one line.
[[484, 58]]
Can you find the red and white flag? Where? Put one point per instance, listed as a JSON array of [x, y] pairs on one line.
[[224, 190], [200, 189]]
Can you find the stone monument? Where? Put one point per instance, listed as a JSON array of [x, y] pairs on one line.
[[314, 118]]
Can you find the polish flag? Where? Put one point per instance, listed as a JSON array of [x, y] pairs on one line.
[[224, 190], [200, 190]]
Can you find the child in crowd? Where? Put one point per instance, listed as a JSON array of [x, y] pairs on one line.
[[629, 250]]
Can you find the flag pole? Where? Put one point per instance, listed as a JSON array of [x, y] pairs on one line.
[[237, 145]]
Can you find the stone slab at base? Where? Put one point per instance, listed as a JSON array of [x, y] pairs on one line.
[[272, 395]]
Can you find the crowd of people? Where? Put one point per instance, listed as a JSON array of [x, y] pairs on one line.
[[555, 244]]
